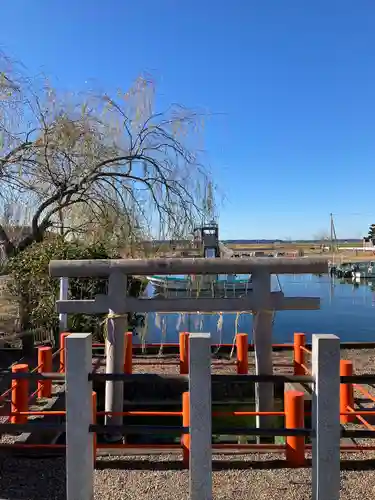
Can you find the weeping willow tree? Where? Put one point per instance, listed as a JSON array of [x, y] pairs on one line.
[[80, 161], [93, 163]]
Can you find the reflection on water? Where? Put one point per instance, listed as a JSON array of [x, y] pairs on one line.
[[347, 310]]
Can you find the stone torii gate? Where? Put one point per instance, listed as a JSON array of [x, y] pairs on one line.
[[260, 301]]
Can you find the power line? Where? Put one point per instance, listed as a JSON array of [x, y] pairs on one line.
[[345, 214]]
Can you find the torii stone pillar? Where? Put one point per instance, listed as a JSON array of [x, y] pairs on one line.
[[262, 331], [115, 349]]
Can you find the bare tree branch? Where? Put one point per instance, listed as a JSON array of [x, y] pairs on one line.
[[77, 161]]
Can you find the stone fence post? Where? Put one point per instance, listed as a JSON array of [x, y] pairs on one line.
[[326, 417], [78, 396], [200, 416]]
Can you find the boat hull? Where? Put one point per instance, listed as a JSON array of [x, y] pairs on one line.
[[200, 286]]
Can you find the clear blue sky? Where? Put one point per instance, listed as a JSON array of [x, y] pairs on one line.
[[292, 82]]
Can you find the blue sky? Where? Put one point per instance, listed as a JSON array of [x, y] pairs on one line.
[[290, 84]]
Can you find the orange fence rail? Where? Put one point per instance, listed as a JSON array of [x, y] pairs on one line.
[[44, 366], [294, 448], [241, 364], [348, 413], [20, 396], [300, 349], [295, 419]]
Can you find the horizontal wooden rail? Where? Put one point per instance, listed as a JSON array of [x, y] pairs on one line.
[[179, 430], [31, 426], [357, 433], [152, 413], [150, 378], [142, 429], [7, 375], [216, 378], [139, 429]]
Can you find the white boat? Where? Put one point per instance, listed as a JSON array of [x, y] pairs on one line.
[[202, 284], [364, 270]]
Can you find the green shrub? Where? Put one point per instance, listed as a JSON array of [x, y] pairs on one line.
[[36, 292]]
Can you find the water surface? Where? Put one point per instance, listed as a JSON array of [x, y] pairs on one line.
[[347, 310]]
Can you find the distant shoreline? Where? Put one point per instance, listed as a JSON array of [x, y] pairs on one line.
[[355, 241]]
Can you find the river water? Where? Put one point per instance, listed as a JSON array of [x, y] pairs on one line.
[[347, 310]]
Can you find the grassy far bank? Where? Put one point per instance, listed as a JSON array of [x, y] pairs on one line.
[[348, 252], [285, 246]]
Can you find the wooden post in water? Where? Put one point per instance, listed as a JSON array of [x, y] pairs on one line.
[[262, 331]]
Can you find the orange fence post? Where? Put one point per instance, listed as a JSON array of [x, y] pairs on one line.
[[20, 395], [185, 438], [128, 362], [346, 391], [62, 351], [45, 366], [299, 355], [295, 419], [184, 353], [94, 421], [242, 353]]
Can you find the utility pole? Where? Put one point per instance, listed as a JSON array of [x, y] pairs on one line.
[[333, 234]]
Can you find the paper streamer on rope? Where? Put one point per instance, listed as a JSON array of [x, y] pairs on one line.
[[197, 321], [163, 333], [201, 321], [219, 329], [236, 321], [179, 322], [219, 324], [143, 333], [157, 321]]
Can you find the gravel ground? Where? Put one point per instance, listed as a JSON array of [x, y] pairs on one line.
[[224, 365], [247, 477], [254, 477]]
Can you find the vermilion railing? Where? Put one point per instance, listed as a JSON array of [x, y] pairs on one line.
[[294, 414], [348, 413]]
